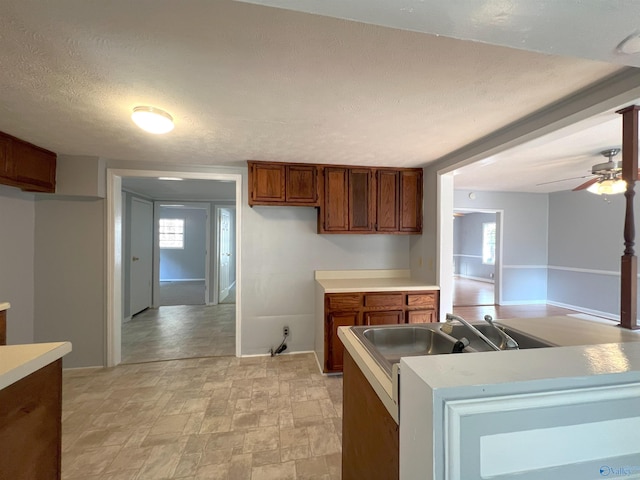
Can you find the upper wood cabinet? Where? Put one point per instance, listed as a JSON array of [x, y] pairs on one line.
[[291, 184], [410, 201], [352, 199], [26, 166]]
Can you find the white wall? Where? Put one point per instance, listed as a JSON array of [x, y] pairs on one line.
[[17, 217]]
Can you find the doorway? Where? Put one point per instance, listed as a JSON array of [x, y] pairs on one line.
[[141, 259], [183, 247], [115, 252], [475, 247]]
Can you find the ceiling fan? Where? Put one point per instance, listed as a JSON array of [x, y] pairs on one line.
[[607, 176]]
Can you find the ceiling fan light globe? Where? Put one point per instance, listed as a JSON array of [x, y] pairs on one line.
[[608, 187]]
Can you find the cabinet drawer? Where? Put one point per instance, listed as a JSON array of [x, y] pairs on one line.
[[424, 300], [383, 300], [421, 316], [339, 301]]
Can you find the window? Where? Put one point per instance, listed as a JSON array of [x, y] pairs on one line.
[[489, 243], [171, 233]]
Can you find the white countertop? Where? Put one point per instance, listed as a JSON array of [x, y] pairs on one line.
[[348, 281], [18, 361], [4, 306]]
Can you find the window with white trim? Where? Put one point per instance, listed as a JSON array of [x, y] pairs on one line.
[[489, 243], [172, 233]]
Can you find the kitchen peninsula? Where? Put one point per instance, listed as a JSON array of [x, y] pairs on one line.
[[366, 297], [558, 412], [30, 410]]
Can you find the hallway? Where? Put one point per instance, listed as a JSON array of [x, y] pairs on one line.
[[179, 332]]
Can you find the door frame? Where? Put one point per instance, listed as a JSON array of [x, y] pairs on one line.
[[153, 254], [156, 244], [114, 250]]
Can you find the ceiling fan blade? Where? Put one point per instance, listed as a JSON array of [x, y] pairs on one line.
[[586, 184], [566, 179]]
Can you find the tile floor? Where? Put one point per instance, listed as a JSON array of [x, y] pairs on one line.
[[175, 332], [257, 418]]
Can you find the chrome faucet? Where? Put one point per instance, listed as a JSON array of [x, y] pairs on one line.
[[475, 331], [510, 343]]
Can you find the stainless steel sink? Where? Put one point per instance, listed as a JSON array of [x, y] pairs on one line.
[[388, 343], [525, 341]]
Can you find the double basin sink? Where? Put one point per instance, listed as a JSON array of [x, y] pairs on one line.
[[388, 343]]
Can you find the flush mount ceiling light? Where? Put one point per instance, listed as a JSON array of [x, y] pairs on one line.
[[173, 179], [152, 120], [630, 45]]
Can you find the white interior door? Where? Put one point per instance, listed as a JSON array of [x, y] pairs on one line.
[[141, 261], [224, 229]]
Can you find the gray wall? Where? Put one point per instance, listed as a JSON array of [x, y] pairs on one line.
[[70, 286], [524, 241], [280, 251], [585, 245], [187, 263], [467, 246], [17, 217]]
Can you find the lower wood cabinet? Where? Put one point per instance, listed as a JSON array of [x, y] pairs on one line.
[[370, 435], [372, 308]]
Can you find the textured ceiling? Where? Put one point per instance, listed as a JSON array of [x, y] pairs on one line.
[[246, 81]]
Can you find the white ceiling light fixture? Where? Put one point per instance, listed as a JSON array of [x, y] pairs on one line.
[[609, 186], [630, 45], [152, 119], [172, 179]]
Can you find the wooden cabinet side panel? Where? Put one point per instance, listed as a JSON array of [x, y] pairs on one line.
[[3, 327], [411, 201], [7, 170], [387, 201], [30, 426], [370, 436], [336, 199], [301, 184], [35, 168]]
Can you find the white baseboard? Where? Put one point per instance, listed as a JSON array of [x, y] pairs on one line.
[[597, 313], [522, 302], [478, 279], [280, 354], [126, 319], [181, 280]]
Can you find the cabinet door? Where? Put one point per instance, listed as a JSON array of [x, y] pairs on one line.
[[421, 316], [336, 199], [384, 318], [267, 182], [6, 165], [360, 200], [301, 184], [35, 168], [333, 346], [387, 201], [411, 201]]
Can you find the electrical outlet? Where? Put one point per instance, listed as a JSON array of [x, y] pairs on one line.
[[285, 331]]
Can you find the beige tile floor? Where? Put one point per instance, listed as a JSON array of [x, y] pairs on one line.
[[230, 418], [175, 332]]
